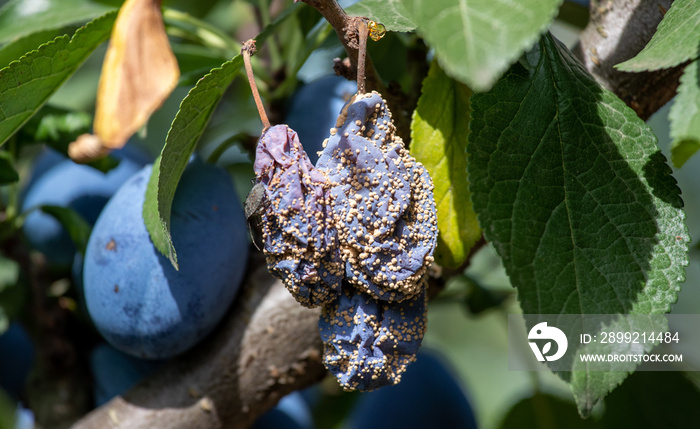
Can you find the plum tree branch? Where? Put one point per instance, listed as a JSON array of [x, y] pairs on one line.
[[617, 31], [267, 347], [346, 27]]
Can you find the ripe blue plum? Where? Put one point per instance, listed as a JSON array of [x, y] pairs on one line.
[[16, 359], [314, 109], [114, 372], [429, 396], [138, 302], [292, 412], [67, 184]]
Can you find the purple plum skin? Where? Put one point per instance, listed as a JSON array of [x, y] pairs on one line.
[[137, 300]]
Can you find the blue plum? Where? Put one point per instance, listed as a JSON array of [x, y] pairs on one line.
[[16, 359], [429, 396], [67, 184], [292, 412], [44, 161], [138, 302], [114, 372], [314, 109]]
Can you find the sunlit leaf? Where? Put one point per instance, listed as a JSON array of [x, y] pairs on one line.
[[685, 116], [476, 41], [676, 40], [576, 197], [439, 132]]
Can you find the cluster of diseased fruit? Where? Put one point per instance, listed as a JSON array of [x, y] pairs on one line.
[[355, 235]]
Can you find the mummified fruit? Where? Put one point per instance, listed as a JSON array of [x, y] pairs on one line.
[[355, 234]]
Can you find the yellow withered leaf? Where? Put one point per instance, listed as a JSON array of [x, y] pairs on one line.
[[139, 72]]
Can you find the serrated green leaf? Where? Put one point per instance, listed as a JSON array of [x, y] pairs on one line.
[[685, 116], [576, 197], [19, 47], [19, 18], [476, 41], [545, 411], [77, 227], [676, 40], [439, 133], [7, 171], [652, 400], [25, 85], [391, 13], [187, 127]]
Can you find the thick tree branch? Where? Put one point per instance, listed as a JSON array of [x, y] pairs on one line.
[[267, 347], [619, 30]]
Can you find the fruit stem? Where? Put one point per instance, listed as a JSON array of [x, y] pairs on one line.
[[363, 30], [247, 50]]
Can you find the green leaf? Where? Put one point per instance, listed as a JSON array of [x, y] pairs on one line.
[[545, 411], [576, 197], [25, 85], [7, 171], [476, 41], [77, 227], [195, 62], [13, 296], [19, 47], [391, 13], [20, 18], [8, 407], [676, 40], [685, 116], [652, 400], [439, 133], [187, 127], [9, 273], [56, 127]]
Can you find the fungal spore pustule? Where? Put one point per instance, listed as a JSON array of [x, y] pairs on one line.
[[297, 223], [355, 234], [384, 200]]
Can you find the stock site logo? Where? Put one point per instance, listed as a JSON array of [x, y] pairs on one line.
[[543, 332]]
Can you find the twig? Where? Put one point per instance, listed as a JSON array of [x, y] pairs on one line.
[[346, 27], [362, 54], [247, 50]]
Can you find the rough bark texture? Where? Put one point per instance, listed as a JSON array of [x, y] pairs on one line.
[[267, 347], [617, 31]]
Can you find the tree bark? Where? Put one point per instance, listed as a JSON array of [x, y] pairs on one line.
[[268, 346], [617, 31]]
